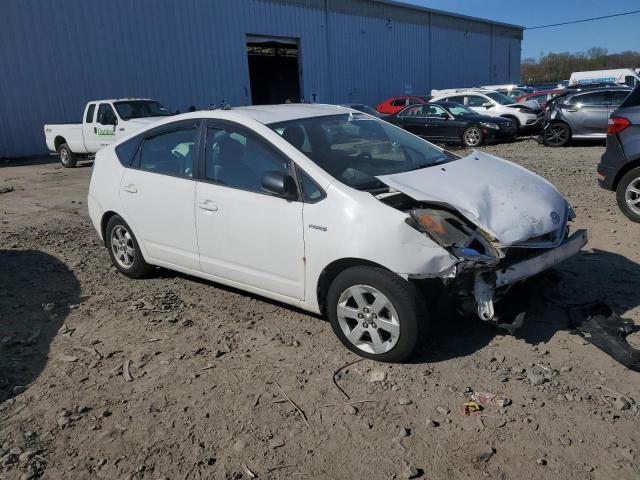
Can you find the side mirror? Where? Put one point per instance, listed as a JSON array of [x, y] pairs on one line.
[[280, 184], [444, 116], [487, 105]]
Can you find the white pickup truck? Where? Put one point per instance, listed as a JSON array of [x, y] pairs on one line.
[[104, 122]]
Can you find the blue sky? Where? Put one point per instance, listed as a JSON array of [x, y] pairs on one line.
[[614, 34]]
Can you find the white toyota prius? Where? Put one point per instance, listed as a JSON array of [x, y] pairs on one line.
[[331, 210]]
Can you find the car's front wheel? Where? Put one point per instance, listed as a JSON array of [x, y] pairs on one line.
[[628, 194], [556, 135], [472, 137], [124, 249], [376, 314]]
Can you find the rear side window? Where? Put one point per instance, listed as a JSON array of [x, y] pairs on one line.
[[633, 100], [617, 97], [170, 153], [90, 110], [126, 151], [399, 102], [456, 99]]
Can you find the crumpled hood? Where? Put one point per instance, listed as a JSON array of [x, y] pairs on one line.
[[505, 200]]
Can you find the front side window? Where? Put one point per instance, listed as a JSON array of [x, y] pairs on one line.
[[128, 109], [437, 111], [170, 153], [460, 111], [476, 101], [355, 148], [90, 111], [236, 159], [106, 115], [311, 192]]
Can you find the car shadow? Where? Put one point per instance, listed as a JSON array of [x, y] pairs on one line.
[[590, 277], [36, 290], [40, 160], [597, 277]]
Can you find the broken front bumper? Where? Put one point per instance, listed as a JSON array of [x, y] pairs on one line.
[[484, 286], [528, 268]]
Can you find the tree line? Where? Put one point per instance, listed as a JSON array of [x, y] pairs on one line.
[[554, 67]]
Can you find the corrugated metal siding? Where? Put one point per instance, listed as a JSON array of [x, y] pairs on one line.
[[58, 55], [461, 53]]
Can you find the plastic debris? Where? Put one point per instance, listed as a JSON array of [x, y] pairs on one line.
[[490, 399], [472, 408]]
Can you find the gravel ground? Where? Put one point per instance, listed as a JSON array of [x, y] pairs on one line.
[[177, 378]]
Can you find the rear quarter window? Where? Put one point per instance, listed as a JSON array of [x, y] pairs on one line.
[[126, 151], [633, 100]]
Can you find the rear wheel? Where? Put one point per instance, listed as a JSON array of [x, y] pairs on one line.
[[124, 249], [628, 194], [556, 135], [472, 137], [376, 314], [67, 157]]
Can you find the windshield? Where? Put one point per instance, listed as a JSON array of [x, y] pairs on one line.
[[501, 98], [355, 148], [460, 111], [140, 109]]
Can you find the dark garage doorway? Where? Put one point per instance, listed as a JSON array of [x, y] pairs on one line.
[[273, 70]]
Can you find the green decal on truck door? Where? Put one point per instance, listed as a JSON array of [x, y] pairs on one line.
[[105, 131]]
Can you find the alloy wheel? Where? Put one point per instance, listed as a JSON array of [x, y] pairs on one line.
[[368, 319], [122, 247], [556, 135], [632, 195], [472, 137]]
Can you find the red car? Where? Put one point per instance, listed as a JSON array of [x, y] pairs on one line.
[[542, 96], [395, 104]]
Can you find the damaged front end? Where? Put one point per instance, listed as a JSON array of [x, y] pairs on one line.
[[501, 221], [486, 267]]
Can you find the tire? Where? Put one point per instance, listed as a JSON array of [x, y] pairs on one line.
[[68, 159], [627, 192], [472, 137], [556, 135], [402, 316], [124, 249]]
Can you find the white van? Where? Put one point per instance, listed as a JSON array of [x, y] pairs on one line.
[[622, 76]]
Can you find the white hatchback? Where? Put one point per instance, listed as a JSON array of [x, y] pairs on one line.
[[330, 210]]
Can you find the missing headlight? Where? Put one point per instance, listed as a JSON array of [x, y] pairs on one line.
[[455, 234]]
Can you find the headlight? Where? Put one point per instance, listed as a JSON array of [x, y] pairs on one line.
[[453, 233], [492, 126]]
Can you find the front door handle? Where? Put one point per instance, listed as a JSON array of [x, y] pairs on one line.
[[130, 188], [208, 205]]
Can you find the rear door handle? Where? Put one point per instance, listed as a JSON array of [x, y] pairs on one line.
[[208, 205], [130, 188]]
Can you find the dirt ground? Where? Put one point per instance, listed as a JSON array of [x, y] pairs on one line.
[[176, 378]]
